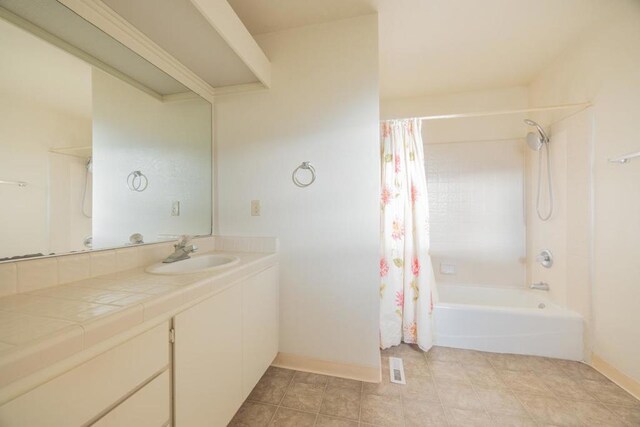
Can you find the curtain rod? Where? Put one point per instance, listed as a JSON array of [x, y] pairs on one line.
[[499, 112]]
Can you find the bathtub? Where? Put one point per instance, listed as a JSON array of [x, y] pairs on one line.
[[506, 321]]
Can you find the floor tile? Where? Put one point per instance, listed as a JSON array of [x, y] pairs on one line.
[[341, 402], [500, 401], [443, 354], [270, 389], [381, 410], [468, 418], [448, 371], [629, 415], [335, 382], [484, 376], [273, 371], [455, 395], [253, 415], [567, 388], [511, 362], [423, 387], [610, 393], [525, 382], [550, 410], [290, 418], [595, 414], [473, 358], [309, 378], [324, 421], [383, 388], [502, 420], [421, 413], [579, 371], [304, 397], [415, 367]]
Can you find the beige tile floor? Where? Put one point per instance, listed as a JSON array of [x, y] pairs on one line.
[[445, 387]]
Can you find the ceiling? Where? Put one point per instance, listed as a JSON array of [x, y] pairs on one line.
[[180, 29], [67, 27], [447, 46]]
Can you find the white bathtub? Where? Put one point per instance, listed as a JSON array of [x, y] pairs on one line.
[[506, 321]]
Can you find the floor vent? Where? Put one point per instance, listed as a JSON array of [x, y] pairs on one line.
[[396, 370]]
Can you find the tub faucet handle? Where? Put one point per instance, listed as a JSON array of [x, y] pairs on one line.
[[541, 286], [545, 258]]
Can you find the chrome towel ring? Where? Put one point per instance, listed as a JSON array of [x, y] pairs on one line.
[[304, 166], [137, 181]]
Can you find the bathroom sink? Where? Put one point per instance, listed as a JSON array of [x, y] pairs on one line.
[[196, 264]]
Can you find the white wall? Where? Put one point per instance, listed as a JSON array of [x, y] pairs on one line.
[[322, 107], [170, 142], [476, 212], [475, 178], [604, 69]]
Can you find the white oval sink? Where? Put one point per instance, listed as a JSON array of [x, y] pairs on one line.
[[196, 264]]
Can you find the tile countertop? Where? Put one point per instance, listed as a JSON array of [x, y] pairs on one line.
[[42, 327]]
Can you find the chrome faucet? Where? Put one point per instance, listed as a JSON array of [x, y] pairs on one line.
[[182, 250], [541, 286]]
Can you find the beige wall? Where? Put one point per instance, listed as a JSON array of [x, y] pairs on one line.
[[604, 69], [322, 107], [567, 234]]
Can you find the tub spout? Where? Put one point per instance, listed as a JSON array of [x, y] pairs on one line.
[[542, 286]]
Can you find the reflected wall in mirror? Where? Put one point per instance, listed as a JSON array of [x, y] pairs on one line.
[[72, 132]]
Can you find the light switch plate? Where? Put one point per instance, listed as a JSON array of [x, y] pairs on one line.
[[175, 209], [255, 208]]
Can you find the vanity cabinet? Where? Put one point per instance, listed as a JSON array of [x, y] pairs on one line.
[[223, 345], [208, 360], [83, 394]]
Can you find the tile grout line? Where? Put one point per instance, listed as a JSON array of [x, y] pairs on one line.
[[515, 395], [435, 385]]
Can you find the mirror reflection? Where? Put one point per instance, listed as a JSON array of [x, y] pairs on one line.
[[90, 158]]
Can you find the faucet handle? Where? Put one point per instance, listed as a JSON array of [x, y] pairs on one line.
[[183, 240]]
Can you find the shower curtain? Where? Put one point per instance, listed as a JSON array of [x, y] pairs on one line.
[[407, 283]]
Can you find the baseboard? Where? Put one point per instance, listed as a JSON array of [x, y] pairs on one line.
[[326, 367], [624, 381]]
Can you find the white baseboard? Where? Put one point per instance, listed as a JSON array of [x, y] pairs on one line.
[[623, 380], [336, 369]]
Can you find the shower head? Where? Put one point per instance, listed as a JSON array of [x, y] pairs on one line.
[[536, 140]]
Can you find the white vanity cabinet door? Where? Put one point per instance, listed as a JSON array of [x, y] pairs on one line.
[[208, 361], [259, 326], [78, 396], [148, 407]]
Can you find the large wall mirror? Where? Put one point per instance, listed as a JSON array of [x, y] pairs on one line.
[[98, 148]]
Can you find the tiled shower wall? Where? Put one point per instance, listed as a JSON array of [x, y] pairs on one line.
[[476, 207]]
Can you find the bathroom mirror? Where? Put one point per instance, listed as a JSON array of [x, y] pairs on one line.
[[98, 147]]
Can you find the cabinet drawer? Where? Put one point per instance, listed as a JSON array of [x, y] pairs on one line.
[[81, 394], [148, 407]]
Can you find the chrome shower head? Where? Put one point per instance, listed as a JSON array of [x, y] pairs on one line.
[[536, 141]]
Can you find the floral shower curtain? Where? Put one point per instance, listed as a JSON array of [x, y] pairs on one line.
[[407, 281]]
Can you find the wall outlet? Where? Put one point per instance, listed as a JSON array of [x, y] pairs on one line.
[[447, 268], [255, 208], [175, 209]]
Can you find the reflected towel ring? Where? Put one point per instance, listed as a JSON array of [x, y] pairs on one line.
[[137, 181], [306, 166]]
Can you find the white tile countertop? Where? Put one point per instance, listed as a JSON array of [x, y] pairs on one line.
[[44, 326]]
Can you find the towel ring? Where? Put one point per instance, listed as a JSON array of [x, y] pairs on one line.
[[306, 166], [137, 181]]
